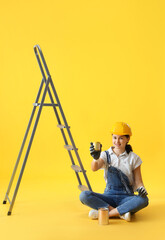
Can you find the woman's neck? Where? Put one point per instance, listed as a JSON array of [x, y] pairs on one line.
[[118, 151]]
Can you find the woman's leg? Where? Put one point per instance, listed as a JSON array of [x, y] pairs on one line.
[[132, 204], [97, 200], [127, 204]]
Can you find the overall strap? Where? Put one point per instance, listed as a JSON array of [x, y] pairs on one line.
[[123, 181], [108, 157]]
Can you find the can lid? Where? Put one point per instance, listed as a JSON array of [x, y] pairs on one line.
[[104, 209]]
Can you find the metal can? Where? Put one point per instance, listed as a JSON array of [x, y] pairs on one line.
[[103, 216], [97, 146]]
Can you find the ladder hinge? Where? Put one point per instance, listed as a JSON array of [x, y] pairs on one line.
[[45, 104]]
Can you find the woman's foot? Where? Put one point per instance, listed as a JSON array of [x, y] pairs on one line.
[[93, 214], [126, 216]]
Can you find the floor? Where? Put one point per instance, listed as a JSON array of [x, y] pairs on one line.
[[48, 210]]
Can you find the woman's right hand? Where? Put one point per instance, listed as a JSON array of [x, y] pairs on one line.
[[95, 154]]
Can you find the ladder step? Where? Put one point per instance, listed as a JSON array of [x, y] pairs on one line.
[[45, 104], [83, 188], [69, 147], [77, 168], [62, 126]]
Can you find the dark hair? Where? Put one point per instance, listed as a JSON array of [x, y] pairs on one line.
[[128, 147]]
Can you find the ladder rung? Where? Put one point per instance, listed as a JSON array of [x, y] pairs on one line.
[[83, 188], [62, 126], [69, 147], [77, 168], [45, 104]]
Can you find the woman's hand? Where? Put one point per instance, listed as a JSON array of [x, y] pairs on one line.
[[97, 162], [95, 154], [139, 182], [142, 191]]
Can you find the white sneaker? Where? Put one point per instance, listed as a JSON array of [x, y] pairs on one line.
[[126, 216], [93, 214]]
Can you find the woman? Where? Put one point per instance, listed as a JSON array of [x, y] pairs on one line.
[[122, 175]]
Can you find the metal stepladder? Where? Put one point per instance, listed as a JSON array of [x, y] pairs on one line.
[[65, 130]]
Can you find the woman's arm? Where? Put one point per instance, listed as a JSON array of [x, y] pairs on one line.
[[97, 164], [138, 177]]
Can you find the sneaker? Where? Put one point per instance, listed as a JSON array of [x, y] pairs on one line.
[[93, 214], [126, 216]]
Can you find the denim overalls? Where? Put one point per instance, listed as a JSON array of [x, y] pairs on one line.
[[117, 180], [118, 193]]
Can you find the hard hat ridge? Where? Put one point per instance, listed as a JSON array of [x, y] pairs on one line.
[[121, 128]]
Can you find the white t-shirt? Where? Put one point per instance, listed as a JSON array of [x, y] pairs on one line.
[[125, 162]]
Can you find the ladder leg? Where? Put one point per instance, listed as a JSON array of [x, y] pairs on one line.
[[28, 149], [23, 144], [52, 101]]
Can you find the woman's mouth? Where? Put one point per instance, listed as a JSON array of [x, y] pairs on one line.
[[117, 145]]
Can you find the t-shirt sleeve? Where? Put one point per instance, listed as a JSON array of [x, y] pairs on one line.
[[137, 162]]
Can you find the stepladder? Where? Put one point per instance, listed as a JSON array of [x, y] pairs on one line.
[[47, 87]]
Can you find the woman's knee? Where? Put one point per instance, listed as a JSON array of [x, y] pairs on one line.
[[84, 196], [143, 201], [146, 201]]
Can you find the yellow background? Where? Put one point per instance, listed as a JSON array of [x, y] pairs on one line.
[[106, 59]]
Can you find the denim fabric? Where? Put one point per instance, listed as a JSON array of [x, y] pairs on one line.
[[120, 199], [116, 179], [118, 193]]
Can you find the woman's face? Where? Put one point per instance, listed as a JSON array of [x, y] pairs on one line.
[[119, 141]]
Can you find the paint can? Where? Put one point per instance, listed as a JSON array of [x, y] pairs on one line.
[[103, 216], [97, 146]]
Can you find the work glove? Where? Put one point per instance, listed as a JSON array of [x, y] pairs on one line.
[[95, 154], [142, 191]]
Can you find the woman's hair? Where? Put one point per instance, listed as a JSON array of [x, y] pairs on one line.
[[128, 147]]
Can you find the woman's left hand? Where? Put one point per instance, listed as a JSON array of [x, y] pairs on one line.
[[142, 191]]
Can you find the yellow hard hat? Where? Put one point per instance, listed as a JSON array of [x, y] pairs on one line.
[[121, 128]]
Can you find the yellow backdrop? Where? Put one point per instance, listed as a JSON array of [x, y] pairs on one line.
[[106, 59]]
